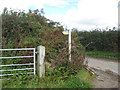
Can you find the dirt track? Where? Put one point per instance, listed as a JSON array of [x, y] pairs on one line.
[[106, 72]]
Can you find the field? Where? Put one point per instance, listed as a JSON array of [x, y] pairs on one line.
[[102, 54]]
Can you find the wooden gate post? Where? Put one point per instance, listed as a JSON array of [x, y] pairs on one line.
[[40, 61]]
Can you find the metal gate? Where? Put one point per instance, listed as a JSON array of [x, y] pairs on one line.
[[17, 64]]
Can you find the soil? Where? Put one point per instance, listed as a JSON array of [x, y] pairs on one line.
[[105, 79]]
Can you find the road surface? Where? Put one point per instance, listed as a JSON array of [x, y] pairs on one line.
[[106, 72], [103, 64]]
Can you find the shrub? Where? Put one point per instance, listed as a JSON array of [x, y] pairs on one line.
[[25, 30]]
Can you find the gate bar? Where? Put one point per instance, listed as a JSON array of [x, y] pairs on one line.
[[16, 65], [17, 69], [16, 49], [16, 57]]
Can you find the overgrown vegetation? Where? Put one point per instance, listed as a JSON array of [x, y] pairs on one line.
[[58, 78], [31, 29]]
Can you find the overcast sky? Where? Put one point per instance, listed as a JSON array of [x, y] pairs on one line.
[[81, 14]]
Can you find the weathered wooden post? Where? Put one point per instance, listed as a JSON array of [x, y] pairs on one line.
[[69, 44], [40, 61]]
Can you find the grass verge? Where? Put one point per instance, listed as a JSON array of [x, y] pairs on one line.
[[101, 54], [53, 79]]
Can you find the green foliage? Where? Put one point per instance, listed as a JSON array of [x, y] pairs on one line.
[[62, 72], [74, 82], [101, 54], [99, 40], [85, 75], [54, 79], [30, 29], [18, 25]]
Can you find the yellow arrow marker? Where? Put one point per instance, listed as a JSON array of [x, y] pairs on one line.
[[65, 32]]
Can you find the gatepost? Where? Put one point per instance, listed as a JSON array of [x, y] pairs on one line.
[[40, 61]]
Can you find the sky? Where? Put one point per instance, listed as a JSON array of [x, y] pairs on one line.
[[80, 14]]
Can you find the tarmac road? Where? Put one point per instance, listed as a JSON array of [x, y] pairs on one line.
[[106, 72], [103, 64]]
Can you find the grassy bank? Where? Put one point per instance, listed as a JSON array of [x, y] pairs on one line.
[[53, 79], [102, 54]]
